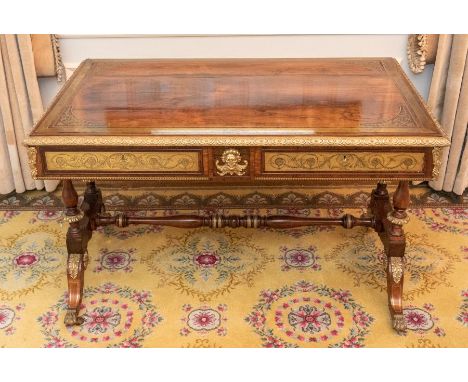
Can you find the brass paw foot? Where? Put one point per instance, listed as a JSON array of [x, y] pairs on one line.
[[399, 323], [72, 318]]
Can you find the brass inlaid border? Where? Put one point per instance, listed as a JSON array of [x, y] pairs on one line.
[[159, 141]]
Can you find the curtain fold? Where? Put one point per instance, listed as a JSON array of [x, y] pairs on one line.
[[448, 98], [20, 106]]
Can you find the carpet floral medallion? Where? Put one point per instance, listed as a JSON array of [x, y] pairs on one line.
[[306, 313], [150, 286], [206, 263], [113, 316]]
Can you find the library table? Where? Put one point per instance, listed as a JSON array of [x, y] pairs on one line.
[[231, 122]]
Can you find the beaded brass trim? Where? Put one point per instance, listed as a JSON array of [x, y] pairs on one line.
[[32, 158], [347, 161], [73, 218], [123, 161], [388, 178], [235, 141], [397, 221], [74, 264], [97, 176]]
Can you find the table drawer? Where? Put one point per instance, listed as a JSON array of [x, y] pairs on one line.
[[318, 163], [120, 162]]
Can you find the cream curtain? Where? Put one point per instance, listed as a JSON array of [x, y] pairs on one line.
[[20, 106], [448, 98]]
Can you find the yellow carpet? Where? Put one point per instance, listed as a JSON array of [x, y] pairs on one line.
[[166, 287]]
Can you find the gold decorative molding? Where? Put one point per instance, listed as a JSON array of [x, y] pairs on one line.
[[123, 161], [398, 221], [343, 161], [71, 318], [85, 260], [417, 49], [74, 260], [32, 159], [396, 268], [399, 323], [73, 218], [436, 162], [183, 141], [59, 66], [231, 163]]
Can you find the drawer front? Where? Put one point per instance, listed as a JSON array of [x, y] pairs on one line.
[[105, 163], [347, 163], [219, 165]]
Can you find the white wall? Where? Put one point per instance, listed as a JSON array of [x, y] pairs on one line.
[[76, 48]]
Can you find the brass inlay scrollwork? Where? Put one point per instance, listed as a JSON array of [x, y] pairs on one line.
[[343, 161], [231, 163], [123, 161]]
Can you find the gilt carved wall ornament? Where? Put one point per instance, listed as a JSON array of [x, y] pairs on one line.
[[123, 161], [326, 161], [421, 50], [231, 163]]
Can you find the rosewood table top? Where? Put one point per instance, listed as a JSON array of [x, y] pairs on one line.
[[237, 121]]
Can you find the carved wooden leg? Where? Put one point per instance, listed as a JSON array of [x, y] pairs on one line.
[[78, 235], [379, 205], [92, 203], [396, 252], [389, 226]]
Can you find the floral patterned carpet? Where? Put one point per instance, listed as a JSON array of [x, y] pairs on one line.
[[148, 286]]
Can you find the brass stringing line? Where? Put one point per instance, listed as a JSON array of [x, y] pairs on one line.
[[423, 103], [57, 95]]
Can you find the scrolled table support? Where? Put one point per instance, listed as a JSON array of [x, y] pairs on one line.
[[389, 222], [82, 223]]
